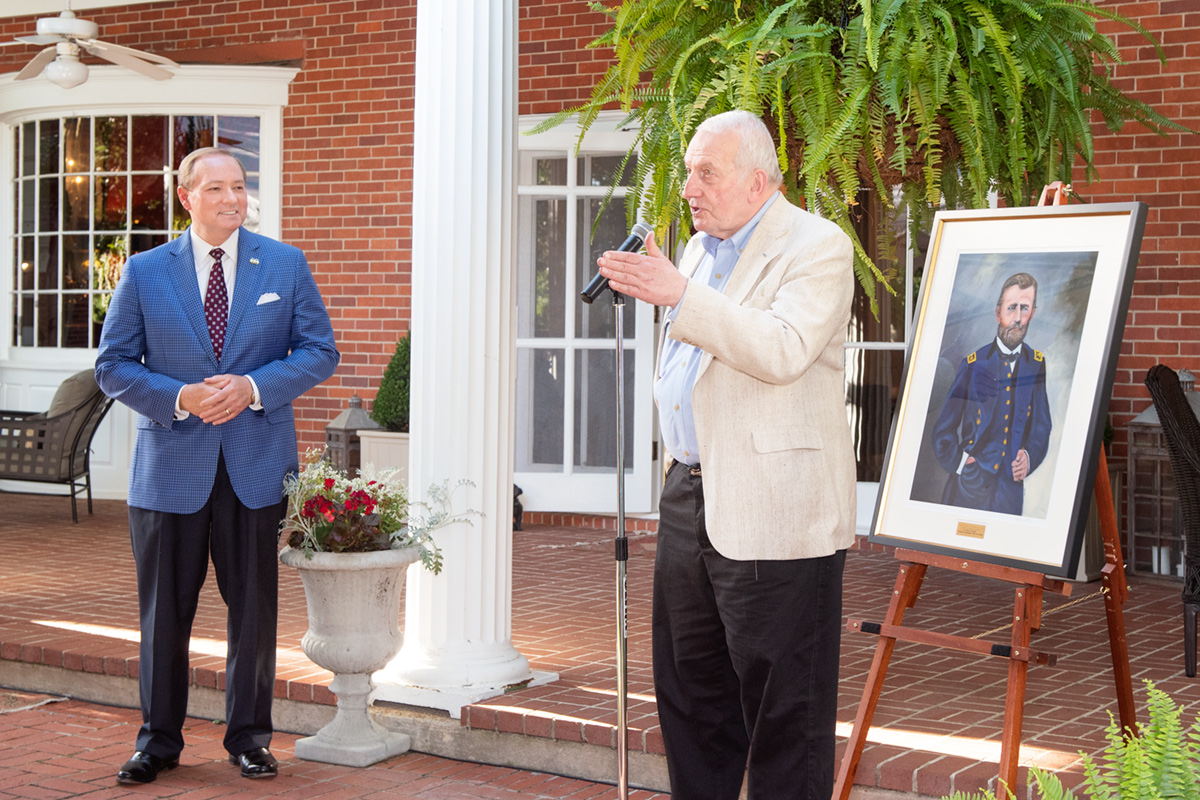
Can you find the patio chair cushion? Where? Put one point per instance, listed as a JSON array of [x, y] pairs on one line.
[[73, 391]]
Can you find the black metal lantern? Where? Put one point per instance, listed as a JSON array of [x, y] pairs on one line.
[[343, 448]]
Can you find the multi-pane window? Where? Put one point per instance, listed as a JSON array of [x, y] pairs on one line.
[[89, 192], [566, 369]]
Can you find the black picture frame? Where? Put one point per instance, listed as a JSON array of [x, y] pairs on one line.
[[969, 406]]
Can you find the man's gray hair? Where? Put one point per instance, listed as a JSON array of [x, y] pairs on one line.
[[757, 148], [187, 168]]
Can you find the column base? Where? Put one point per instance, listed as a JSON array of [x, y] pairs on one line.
[[448, 698]]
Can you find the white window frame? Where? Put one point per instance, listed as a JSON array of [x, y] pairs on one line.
[[573, 490]]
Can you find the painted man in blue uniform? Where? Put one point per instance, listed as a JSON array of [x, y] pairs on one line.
[[994, 428]]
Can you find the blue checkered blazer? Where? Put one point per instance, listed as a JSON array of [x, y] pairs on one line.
[[155, 340]]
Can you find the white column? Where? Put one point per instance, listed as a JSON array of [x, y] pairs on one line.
[[458, 625]]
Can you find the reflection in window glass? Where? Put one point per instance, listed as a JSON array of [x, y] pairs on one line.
[[148, 202], [191, 133], [549, 278], [601, 170], [541, 378], [240, 136], [91, 191], [112, 136], [47, 263], [77, 144], [598, 320], [110, 202], [550, 171], [595, 410], [76, 189], [48, 145], [150, 144]]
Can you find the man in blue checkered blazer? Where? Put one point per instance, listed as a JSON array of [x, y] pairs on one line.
[[210, 338]]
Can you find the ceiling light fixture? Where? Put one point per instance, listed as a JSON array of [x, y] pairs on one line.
[[66, 70]]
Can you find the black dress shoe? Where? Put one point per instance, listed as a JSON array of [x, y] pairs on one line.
[[256, 763], [144, 768]]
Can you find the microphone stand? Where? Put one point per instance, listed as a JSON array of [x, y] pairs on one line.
[[622, 557]]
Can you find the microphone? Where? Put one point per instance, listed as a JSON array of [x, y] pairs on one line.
[[637, 236]]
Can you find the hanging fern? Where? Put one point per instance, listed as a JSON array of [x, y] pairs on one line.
[[948, 99]]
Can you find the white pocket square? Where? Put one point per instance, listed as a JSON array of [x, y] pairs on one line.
[[269, 297]]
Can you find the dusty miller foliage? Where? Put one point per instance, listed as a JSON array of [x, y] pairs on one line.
[[1161, 763], [946, 99]]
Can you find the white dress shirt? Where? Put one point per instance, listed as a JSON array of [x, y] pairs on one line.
[[204, 264]]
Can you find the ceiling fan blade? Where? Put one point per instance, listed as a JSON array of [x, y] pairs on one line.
[[129, 51], [6, 44], [35, 67], [37, 39], [125, 60]]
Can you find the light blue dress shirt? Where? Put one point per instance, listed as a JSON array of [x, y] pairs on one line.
[[679, 363]]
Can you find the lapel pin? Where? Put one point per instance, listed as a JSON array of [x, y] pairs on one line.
[[254, 261]]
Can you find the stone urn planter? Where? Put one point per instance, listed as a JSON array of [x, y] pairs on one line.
[[353, 631]]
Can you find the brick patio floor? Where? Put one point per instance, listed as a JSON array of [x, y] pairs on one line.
[[72, 749], [67, 599]]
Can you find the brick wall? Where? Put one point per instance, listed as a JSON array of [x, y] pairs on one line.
[[1163, 324], [348, 132], [556, 70]]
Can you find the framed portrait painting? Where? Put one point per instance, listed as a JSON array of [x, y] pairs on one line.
[[1001, 414]]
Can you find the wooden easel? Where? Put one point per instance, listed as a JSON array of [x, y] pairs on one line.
[[1026, 618]]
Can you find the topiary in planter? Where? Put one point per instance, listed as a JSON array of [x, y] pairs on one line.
[[390, 408]]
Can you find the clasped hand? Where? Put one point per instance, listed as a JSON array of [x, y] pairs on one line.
[[651, 277], [218, 399]]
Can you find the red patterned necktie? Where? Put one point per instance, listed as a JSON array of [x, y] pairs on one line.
[[216, 303]]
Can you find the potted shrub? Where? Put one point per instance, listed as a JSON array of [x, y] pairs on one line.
[[387, 447], [350, 539]]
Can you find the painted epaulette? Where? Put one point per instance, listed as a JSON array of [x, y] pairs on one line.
[[971, 358], [1037, 356]]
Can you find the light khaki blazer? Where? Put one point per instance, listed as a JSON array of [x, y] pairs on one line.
[[769, 400]]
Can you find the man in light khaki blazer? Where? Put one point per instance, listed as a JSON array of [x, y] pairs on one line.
[[758, 506]]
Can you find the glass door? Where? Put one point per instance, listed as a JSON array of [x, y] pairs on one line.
[[566, 452]]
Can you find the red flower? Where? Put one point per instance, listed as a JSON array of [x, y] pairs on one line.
[[329, 483]]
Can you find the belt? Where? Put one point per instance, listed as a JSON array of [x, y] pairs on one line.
[[695, 471]]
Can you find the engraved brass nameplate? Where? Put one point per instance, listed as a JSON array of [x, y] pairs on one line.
[[974, 530]]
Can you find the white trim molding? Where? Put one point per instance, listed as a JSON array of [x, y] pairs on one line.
[[10, 9]]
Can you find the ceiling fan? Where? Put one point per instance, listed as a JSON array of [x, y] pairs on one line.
[[68, 35]]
